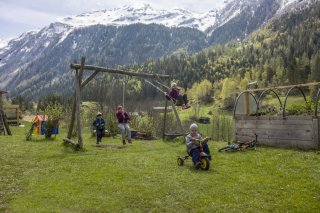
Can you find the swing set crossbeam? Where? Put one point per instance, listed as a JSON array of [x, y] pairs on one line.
[[116, 71]]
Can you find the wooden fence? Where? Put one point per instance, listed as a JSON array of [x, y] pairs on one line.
[[293, 131], [220, 128]]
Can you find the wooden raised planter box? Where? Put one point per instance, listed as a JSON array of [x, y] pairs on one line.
[[290, 132]]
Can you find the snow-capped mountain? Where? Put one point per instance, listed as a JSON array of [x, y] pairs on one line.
[[146, 15], [128, 15], [123, 36], [3, 43]]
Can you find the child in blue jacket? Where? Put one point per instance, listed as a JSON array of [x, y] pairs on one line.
[[99, 125]]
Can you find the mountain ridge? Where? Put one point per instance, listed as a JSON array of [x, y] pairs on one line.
[[36, 56]]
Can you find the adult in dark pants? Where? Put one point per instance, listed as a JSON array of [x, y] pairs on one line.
[[99, 124]]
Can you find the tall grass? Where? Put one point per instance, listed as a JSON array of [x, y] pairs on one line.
[[220, 128]]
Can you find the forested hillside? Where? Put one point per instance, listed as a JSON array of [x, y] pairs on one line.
[[286, 51], [110, 46]]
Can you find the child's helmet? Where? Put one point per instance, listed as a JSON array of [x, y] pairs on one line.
[[173, 84], [99, 114], [194, 126]]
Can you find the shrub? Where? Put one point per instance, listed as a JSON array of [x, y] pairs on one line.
[[301, 109], [54, 113]]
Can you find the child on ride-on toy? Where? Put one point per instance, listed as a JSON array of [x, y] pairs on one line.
[[195, 147]]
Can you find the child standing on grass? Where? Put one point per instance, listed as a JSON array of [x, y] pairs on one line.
[[176, 97], [99, 125], [193, 145], [123, 118]]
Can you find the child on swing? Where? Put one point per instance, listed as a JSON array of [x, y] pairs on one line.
[[176, 97], [123, 118]]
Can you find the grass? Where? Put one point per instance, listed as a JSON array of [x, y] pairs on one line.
[[195, 111], [44, 176]]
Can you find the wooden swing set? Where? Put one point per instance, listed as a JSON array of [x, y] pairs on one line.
[[4, 126], [79, 84]]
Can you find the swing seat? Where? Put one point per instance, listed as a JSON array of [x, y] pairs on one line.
[[173, 135], [178, 103], [204, 120]]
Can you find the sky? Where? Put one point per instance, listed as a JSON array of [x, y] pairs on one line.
[[18, 16]]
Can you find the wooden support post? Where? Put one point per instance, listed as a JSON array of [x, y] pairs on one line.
[[78, 101], [1, 102], [4, 123], [177, 117], [315, 125], [123, 93], [165, 119], [83, 84], [247, 102], [89, 79], [73, 116], [67, 140]]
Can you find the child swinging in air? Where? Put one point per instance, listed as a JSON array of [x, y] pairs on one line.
[[176, 97], [193, 140]]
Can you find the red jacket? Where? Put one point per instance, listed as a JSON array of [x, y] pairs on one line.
[[123, 117], [174, 94]]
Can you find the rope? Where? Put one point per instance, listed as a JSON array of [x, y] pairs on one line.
[[159, 80], [172, 103], [158, 88]]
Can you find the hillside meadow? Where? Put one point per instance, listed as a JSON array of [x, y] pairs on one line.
[[45, 176]]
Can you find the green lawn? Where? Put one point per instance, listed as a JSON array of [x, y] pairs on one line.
[[44, 176]]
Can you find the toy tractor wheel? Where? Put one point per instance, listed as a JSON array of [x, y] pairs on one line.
[[205, 163], [180, 161]]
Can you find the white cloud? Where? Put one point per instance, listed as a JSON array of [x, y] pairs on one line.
[[26, 16]]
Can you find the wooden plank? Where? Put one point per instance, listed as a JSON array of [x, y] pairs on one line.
[[247, 103], [177, 116], [162, 109], [78, 101], [283, 143], [14, 106], [67, 140], [165, 119], [284, 87], [316, 132], [1, 102], [273, 126], [73, 117], [296, 133], [5, 123], [275, 122], [281, 134], [83, 84], [121, 72], [288, 118]]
